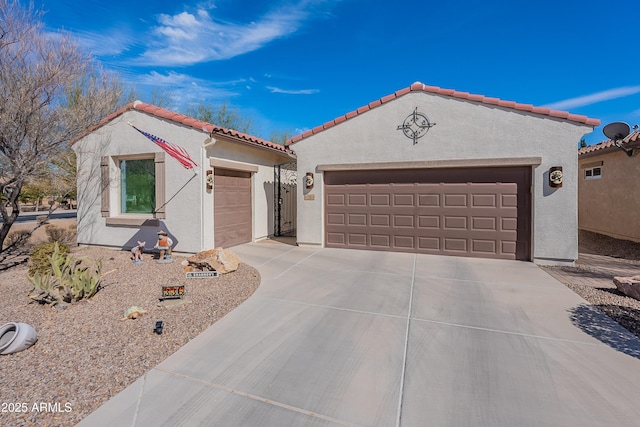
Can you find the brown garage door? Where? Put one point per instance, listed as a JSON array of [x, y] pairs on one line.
[[232, 207], [479, 212]]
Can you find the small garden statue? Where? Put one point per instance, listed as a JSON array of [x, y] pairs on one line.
[[136, 253], [164, 245]]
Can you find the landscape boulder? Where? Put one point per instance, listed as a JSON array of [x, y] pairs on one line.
[[630, 286], [221, 260]]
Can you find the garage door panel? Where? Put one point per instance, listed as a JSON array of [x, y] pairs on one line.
[[403, 242], [336, 238], [429, 221], [508, 247], [428, 244], [428, 200], [336, 219], [455, 222], [403, 221], [455, 245], [482, 223], [355, 239], [509, 224], [380, 200], [381, 241], [509, 200], [488, 218], [455, 200], [484, 246], [336, 200], [403, 200], [380, 220], [484, 200], [357, 219]]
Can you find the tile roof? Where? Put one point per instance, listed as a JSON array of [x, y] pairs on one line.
[[633, 137], [191, 122], [420, 87]]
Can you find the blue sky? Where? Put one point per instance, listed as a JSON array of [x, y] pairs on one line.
[[295, 64]]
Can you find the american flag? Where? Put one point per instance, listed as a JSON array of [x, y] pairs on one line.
[[175, 151]]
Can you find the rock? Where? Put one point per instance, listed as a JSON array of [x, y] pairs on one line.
[[184, 263], [229, 260], [630, 286], [220, 260]]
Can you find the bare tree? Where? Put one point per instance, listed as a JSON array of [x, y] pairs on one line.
[[162, 97], [281, 138], [50, 92], [221, 116]]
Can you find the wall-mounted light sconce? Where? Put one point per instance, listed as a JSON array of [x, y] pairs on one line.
[[308, 181], [555, 177], [209, 179]]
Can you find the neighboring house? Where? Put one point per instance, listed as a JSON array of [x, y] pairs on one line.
[[608, 201], [129, 188], [438, 171]]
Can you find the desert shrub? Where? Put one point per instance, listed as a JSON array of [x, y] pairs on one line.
[[40, 257], [59, 234], [68, 280], [19, 236]]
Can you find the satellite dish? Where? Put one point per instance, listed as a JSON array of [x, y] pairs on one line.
[[616, 131]]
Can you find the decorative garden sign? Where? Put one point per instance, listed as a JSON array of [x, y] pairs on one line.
[[201, 274], [174, 291]]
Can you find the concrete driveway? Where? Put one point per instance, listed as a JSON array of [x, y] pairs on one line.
[[335, 337]]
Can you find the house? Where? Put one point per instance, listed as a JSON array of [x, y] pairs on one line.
[[437, 171], [129, 188], [608, 201]]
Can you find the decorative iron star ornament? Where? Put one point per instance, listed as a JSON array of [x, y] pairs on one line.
[[415, 126]]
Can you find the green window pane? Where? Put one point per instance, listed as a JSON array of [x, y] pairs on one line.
[[138, 186]]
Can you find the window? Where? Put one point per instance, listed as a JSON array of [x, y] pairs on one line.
[[137, 186], [132, 189], [593, 173]]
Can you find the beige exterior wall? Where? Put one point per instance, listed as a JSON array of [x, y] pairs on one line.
[[189, 208], [610, 205], [261, 181], [464, 131]]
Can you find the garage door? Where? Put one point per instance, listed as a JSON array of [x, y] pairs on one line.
[[232, 207], [480, 212]]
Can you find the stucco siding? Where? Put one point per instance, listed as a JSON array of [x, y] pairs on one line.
[[189, 205], [262, 181], [183, 188], [610, 204], [463, 130]]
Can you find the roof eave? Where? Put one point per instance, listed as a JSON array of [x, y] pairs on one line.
[[420, 87]]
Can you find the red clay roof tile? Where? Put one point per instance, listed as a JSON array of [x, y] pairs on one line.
[[340, 119], [190, 122], [633, 137], [420, 87]]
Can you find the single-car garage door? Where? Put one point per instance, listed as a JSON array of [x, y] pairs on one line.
[[479, 212], [232, 207]]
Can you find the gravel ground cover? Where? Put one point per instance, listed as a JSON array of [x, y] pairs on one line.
[[606, 298], [86, 353]]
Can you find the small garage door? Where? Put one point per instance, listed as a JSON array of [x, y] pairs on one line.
[[480, 212], [232, 207]]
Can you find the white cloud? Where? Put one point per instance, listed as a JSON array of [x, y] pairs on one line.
[[98, 44], [594, 98], [186, 38], [188, 89], [293, 92]]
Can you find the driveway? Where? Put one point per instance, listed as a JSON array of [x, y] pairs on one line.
[[336, 337]]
